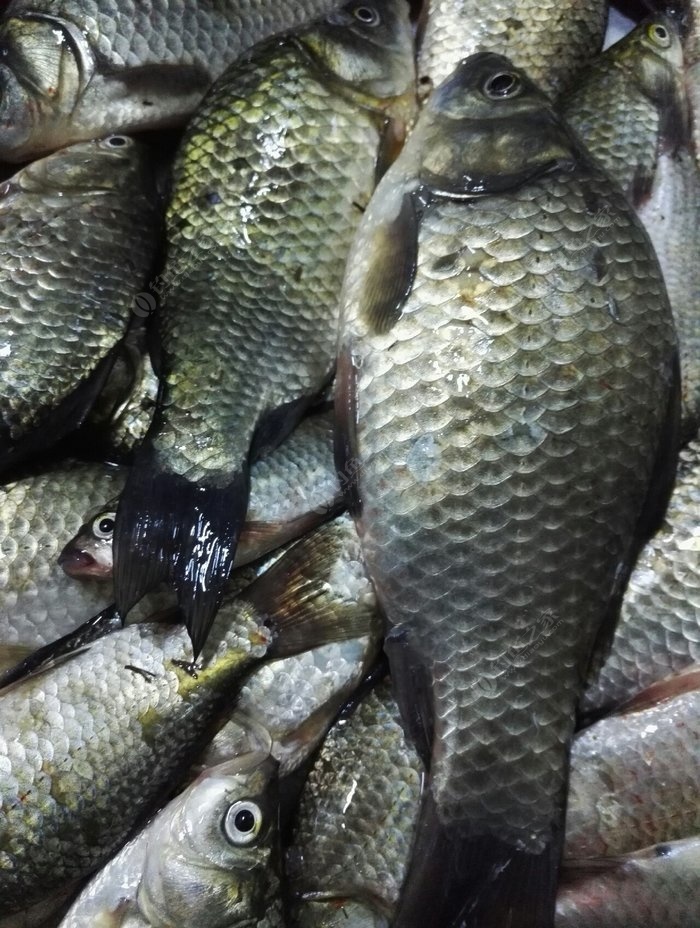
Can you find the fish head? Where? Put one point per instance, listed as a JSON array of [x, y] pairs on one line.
[[212, 855], [89, 553], [43, 70], [653, 55], [488, 129], [334, 912], [116, 162], [368, 46]]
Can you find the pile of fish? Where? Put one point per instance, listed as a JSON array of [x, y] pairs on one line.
[[349, 464]]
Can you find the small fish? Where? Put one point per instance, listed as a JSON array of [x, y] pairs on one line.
[[635, 777], [270, 183], [78, 234], [507, 396], [38, 514], [654, 887], [292, 490], [550, 41], [658, 632], [88, 746], [71, 70], [630, 108]]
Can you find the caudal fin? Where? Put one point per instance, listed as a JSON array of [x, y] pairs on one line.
[[170, 529], [460, 880]]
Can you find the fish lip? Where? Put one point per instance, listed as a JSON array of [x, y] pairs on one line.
[[79, 564]]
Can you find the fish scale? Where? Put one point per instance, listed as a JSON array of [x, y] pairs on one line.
[[126, 65], [550, 40], [269, 187], [534, 353]]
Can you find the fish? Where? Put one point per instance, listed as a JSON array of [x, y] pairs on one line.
[[292, 490], [507, 398], [654, 886], [356, 821], [634, 777], [73, 70], [658, 632], [210, 857], [630, 109], [91, 212], [269, 186], [38, 514], [89, 746], [551, 42]]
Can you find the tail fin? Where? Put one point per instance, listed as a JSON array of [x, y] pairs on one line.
[[168, 528], [460, 880]]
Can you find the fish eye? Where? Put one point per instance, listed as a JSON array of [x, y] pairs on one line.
[[117, 141], [103, 525], [367, 15], [242, 822], [659, 35], [502, 85]]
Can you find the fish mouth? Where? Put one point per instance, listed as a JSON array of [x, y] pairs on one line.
[[79, 564]]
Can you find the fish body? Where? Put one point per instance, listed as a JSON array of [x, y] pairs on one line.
[[549, 41], [271, 180], [630, 108], [658, 632], [656, 886], [78, 233], [634, 777], [503, 398], [75, 69], [292, 490], [90, 745], [356, 819]]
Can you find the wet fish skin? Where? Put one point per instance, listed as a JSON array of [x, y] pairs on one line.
[[356, 819], [292, 490], [120, 68], [658, 632], [634, 777], [630, 108], [38, 602], [472, 389], [343, 871], [90, 745], [656, 886], [551, 42], [305, 116], [91, 213]]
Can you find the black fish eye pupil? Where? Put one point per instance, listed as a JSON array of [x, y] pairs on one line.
[[501, 85], [106, 525], [366, 15], [117, 141], [244, 821], [661, 33]]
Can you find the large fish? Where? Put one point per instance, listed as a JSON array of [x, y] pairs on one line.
[[507, 391], [550, 41], [272, 178], [74, 69], [78, 233], [630, 108], [89, 746], [658, 632], [292, 490], [635, 776]]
